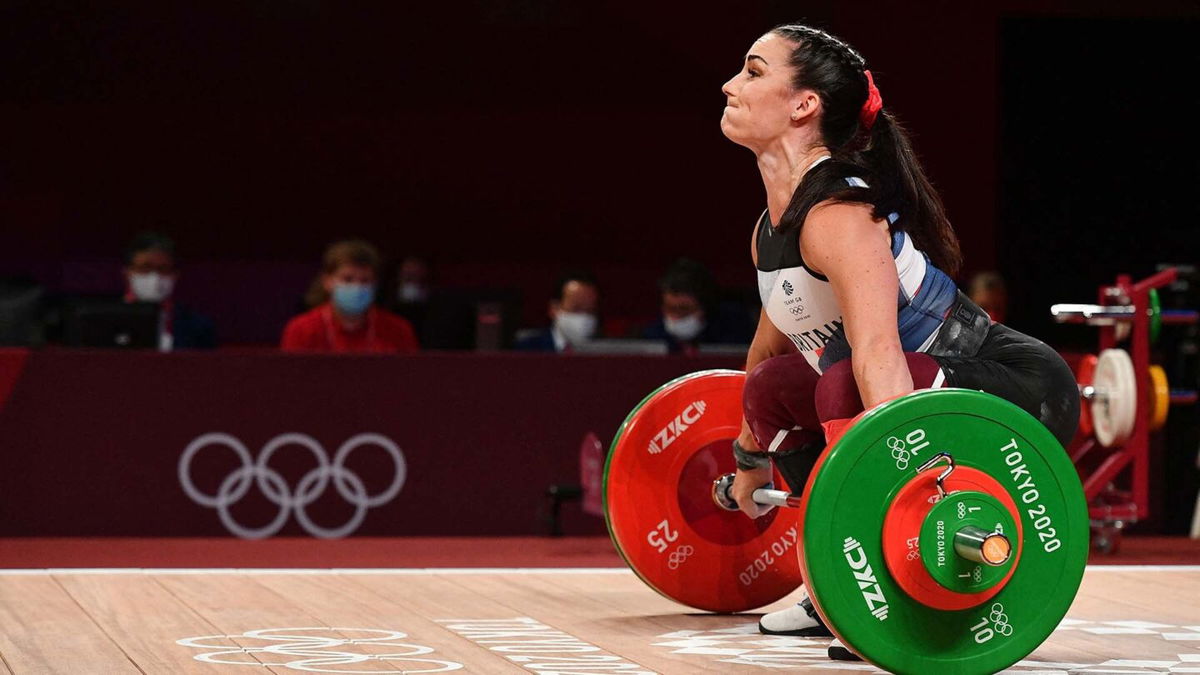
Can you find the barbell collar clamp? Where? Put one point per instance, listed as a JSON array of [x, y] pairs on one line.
[[932, 462]]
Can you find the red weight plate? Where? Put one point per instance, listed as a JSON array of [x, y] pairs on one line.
[[660, 510], [1084, 374], [902, 527]]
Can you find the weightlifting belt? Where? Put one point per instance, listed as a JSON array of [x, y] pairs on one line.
[[963, 330]]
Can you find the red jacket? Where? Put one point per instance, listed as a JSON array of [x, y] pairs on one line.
[[317, 330]]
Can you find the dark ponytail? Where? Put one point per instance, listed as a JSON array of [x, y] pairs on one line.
[[882, 155]]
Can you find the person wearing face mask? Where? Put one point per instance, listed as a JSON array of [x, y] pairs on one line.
[[151, 272], [413, 298], [572, 315], [691, 314], [344, 318]]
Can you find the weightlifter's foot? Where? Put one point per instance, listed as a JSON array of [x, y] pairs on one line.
[[838, 652], [798, 620]]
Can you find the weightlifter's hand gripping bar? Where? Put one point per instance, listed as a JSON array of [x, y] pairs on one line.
[[763, 495]]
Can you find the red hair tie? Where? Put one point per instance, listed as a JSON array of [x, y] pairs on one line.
[[872, 105]]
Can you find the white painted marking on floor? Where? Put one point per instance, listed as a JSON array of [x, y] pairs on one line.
[[1113, 670], [1139, 624]]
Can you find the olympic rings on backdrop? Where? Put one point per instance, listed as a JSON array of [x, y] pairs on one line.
[[273, 486]]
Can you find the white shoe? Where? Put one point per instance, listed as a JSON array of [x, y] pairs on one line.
[[799, 620], [839, 652]]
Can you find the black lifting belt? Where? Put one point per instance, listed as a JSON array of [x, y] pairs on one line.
[[963, 330]]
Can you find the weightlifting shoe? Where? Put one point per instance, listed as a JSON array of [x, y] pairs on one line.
[[838, 652], [799, 620]]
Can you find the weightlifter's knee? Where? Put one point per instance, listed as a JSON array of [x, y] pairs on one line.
[[777, 401], [837, 397]]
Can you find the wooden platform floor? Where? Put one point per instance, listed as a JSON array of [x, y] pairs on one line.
[[1125, 620]]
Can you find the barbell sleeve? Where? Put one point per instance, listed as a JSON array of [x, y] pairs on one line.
[[783, 498]]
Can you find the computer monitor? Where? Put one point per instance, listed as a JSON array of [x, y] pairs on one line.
[[111, 323], [22, 320]]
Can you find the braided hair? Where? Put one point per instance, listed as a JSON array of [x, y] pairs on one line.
[[874, 147]]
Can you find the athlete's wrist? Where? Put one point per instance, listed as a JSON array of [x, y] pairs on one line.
[[748, 460]]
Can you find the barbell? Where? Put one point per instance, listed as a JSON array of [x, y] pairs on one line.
[[947, 529]]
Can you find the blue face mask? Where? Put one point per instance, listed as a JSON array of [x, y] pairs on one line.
[[353, 299]]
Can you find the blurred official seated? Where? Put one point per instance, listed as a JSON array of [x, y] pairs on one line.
[[572, 312], [987, 290], [441, 318], [693, 315], [344, 318], [151, 272], [412, 293]]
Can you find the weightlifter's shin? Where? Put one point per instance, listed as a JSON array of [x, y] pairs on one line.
[[801, 619], [797, 464]]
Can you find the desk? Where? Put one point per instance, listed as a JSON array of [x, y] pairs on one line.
[[91, 442]]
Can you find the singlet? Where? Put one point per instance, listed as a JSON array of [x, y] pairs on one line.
[[801, 304]]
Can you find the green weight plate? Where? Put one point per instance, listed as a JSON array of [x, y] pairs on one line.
[[1155, 316], [959, 510], [846, 501]]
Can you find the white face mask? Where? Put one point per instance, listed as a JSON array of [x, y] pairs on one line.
[[684, 329], [576, 327], [151, 286]]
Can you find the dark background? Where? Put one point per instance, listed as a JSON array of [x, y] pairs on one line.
[[505, 140]]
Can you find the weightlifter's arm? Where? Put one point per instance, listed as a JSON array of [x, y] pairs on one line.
[[853, 250]]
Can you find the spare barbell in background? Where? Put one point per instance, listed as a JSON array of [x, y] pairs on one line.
[[1121, 316]]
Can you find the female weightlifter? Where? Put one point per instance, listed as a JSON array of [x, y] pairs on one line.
[[854, 254]]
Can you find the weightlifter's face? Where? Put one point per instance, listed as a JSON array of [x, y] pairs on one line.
[[760, 98]]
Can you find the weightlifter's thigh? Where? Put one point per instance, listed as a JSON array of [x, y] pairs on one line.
[[1024, 371]]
